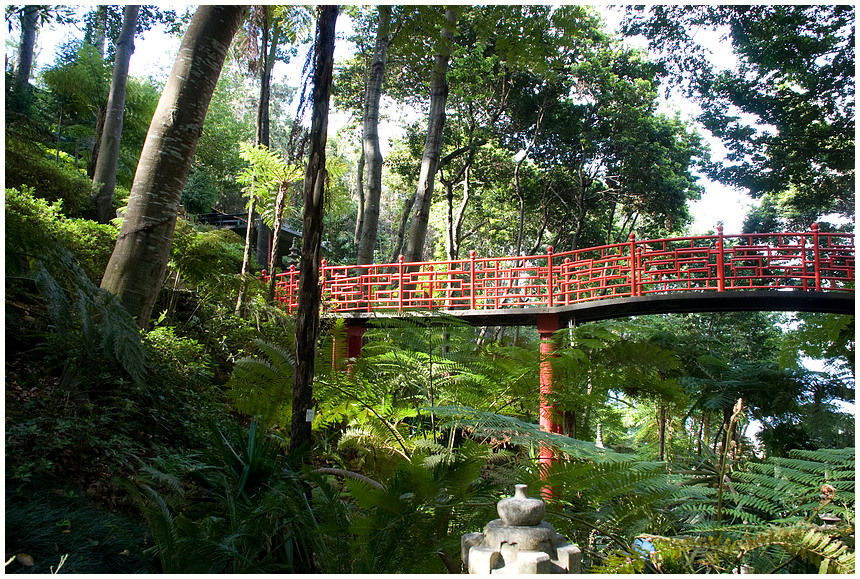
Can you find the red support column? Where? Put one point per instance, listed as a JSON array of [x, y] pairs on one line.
[[355, 335], [346, 346], [547, 325]]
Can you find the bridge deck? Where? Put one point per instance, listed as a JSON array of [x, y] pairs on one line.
[[777, 301], [805, 271]]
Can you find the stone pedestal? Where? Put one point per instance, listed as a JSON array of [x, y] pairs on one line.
[[519, 542]]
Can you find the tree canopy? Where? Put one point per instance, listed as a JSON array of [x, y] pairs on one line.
[[163, 399]]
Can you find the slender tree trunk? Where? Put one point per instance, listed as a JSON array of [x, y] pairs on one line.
[[449, 217], [517, 186], [104, 177], [246, 255], [267, 62], [359, 185], [397, 247], [433, 144], [370, 141], [661, 421], [97, 138], [24, 66], [96, 31], [137, 266], [461, 213], [276, 236], [307, 313]]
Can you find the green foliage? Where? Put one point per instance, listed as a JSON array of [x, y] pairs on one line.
[[773, 514], [265, 175], [794, 74], [420, 512], [200, 193], [54, 525], [256, 517], [32, 225], [30, 164], [206, 258], [89, 323], [262, 387]]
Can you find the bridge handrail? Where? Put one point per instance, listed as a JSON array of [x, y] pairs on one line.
[[804, 261]]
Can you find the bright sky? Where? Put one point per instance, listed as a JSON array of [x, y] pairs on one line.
[[154, 53]]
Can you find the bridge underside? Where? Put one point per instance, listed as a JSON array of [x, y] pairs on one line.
[[777, 301], [549, 320]]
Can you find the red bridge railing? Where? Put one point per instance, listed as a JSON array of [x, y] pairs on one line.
[[809, 261]]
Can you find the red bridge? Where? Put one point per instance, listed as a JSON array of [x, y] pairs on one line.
[[809, 271], [771, 271]]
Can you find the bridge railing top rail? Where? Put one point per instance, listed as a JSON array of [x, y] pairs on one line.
[[805, 261]]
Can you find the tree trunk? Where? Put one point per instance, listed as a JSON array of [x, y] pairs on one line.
[[517, 186], [661, 420], [307, 312], [268, 52], [95, 34], [370, 141], [359, 185], [104, 177], [246, 256], [276, 236], [433, 144], [137, 266], [24, 66], [397, 247]]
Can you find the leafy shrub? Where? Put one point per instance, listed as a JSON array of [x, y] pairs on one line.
[[30, 165], [255, 516], [201, 191], [34, 225]]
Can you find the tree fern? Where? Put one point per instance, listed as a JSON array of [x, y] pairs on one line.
[[88, 321], [770, 517], [262, 386]]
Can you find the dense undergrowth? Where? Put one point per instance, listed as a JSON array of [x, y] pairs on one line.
[[164, 450]]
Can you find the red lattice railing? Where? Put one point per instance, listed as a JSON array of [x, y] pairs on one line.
[[809, 261]]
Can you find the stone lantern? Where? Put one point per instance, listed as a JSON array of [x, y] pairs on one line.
[[519, 542]]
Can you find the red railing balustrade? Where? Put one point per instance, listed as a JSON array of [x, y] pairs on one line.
[[808, 261]]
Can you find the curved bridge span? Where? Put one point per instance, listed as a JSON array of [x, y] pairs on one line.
[[807, 271]]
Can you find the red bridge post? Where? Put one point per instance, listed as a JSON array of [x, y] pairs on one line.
[[633, 283], [721, 260], [816, 256], [549, 296], [346, 348], [472, 300], [547, 325]]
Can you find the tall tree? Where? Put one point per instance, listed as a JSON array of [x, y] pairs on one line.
[[307, 313], [433, 144], [138, 264], [29, 20], [104, 177], [372, 195], [785, 112]]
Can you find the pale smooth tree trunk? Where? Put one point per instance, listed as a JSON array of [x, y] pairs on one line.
[[138, 264], [397, 246], [104, 178], [433, 144], [372, 152], [24, 65], [307, 312], [276, 235], [96, 30], [262, 138]]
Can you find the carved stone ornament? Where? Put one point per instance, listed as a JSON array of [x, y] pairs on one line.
[[520, 542]]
